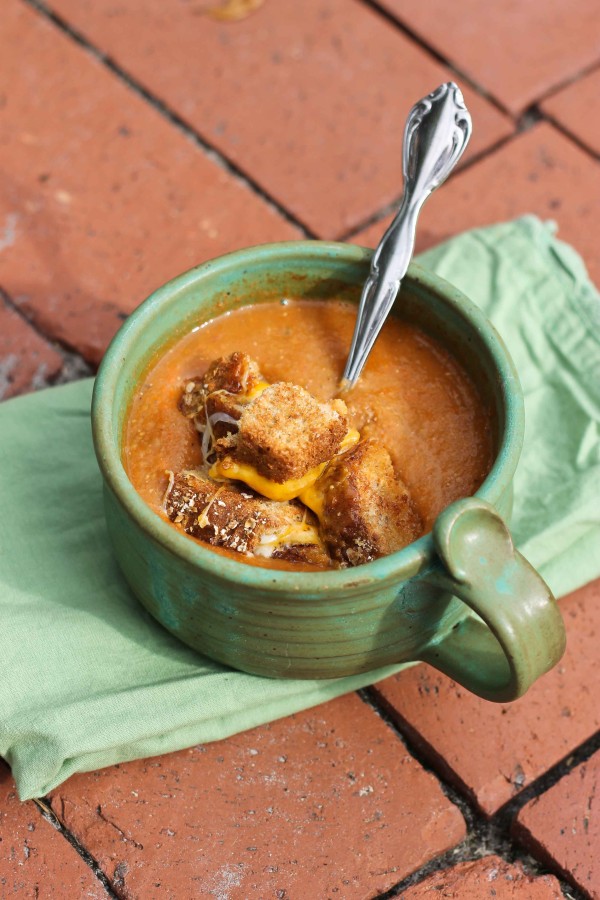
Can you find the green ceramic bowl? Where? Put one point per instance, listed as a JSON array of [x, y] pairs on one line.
[[461, 597]]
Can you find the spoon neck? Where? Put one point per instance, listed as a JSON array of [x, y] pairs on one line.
[[395, 249]]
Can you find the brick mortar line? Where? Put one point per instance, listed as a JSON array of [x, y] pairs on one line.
[[74, 364], [521, 124], [528, 120], [47, 813], [5, 296], [465, 852], [161, 107], [534, 114], [461, 796], [239, 173], [247, 179], [569, 889], [544, 782], [505, 818], [546, 117], [568, 81], [485, 835], [396, 20], [439, 57], [472, 161]]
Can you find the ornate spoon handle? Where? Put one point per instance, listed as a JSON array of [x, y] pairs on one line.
[[437, 131]]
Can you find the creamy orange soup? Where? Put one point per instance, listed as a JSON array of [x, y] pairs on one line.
[[413, 397]]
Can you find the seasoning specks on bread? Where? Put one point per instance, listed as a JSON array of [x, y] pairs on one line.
[[284, 444], [228, 516], [236, 374], [216, 398]]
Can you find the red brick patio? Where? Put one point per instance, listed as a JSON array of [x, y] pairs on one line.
[[138, 139]]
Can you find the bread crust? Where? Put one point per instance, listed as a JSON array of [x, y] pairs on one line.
[[367, 511], [236, 519]]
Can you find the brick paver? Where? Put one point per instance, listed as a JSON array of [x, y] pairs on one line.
[[577, 109], [325, 803], [311, 104], [562, 826], [104, 198], [516, 51], [27, 361], [493, 751], [539, 172], [35, 860], [490, 877]]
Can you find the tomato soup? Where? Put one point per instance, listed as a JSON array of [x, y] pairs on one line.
[[413, 397]]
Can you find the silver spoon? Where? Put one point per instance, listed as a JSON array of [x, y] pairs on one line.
[[437, 131]]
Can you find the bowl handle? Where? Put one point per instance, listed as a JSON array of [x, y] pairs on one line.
[[520, 633]]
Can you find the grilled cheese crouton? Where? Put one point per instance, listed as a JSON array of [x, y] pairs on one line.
[[285, 433], [229, 383], [364, 510], [228, 517], [215, 400], [235, 374]]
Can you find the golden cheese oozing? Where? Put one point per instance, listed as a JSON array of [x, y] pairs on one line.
[[296, 534], [230, 470], [313, 497], [255, 391]]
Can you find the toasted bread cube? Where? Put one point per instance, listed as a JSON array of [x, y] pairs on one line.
[[229, 517], [285, 432], [366, 511], [236, 374]]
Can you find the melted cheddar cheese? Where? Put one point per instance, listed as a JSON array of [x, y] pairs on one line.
[[314, 498], [293, 535], [256, 391], [229, 469]]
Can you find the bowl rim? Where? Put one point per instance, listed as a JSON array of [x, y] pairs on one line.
[[395, 566]]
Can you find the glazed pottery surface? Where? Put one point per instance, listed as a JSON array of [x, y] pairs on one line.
[[461, 597]]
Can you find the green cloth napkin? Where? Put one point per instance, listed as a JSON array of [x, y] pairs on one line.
[[89, 679]]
